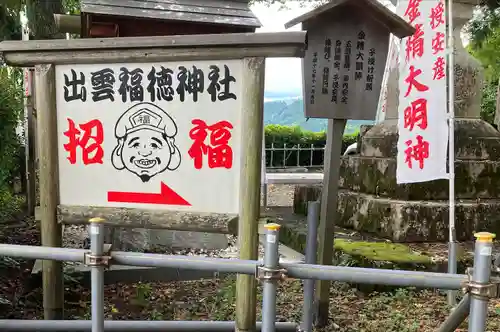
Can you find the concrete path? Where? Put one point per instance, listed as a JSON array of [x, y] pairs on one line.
[[294, 178]]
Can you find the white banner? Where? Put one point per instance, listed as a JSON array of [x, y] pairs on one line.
[[392, 62], [423, 129]]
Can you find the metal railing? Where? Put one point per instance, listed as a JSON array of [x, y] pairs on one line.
[[478, 285], [296, 155]]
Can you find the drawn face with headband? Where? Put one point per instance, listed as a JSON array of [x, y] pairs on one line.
[[145, 146]]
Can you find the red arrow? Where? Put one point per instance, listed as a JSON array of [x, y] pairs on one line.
[[166, 196]]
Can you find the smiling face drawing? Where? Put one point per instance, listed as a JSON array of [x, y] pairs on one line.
[[146, 153], [145, 142]]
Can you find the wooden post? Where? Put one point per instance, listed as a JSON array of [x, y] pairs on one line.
[[68, 23], [329, 200], [29, 141], [51, 232], [250, 178], [30, 154], [496, 119]]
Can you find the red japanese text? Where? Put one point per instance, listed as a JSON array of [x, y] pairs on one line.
[[439, 69], [218, 151], [437, 15], [413, 10], [412, 81], [418, 152], [416, 114], [82, 137], [415, 44], [438, 43]]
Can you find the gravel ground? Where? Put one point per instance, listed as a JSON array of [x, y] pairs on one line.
[[75, 236], [280, 195]]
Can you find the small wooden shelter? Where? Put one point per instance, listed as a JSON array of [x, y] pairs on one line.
[[133, 18], [348, 42], [355, 9]]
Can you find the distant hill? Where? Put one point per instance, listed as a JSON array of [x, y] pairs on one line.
[[289, 111]]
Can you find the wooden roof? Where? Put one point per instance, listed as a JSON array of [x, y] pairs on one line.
[[396, 24], [153, 49], [221, 12]]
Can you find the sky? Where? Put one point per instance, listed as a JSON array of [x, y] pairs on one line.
[[282, 74]]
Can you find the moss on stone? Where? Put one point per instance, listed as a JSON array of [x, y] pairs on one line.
[[381, 251]]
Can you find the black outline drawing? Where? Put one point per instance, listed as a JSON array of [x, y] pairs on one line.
[[150, 131]]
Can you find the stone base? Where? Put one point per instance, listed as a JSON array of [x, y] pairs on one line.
[[141, 239], [303, 194], [475, 139], [416, 221], [406, 221], [372, 201]]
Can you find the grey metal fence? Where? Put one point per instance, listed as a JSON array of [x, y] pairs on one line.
[[296, 155], [478, 285]]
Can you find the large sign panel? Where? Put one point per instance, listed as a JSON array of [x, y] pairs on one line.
[[154, 135]]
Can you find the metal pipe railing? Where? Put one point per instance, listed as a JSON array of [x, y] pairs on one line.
[[478, 285], [457, 316], [480, 278], [96, 231], [370, 276], [313, 212], [269, 278], [294, 270], [128, 326]]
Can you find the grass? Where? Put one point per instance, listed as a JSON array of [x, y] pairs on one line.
[[11, 206]]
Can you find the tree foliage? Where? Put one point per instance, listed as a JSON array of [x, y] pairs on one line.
[[484, 32], [40, 16], [10, 27], [484, 22], [482, 25], [10, 113]]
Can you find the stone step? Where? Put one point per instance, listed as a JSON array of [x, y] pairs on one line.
[[406, 221]]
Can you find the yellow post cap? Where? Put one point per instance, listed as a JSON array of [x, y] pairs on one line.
[[96, 220], [272, 227], [484, 236]]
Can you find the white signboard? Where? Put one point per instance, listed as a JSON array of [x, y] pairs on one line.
[[28, 80], [154, 136], [392, 62], [423, 129]]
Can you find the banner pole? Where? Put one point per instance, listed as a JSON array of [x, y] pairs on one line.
[[452, 245]]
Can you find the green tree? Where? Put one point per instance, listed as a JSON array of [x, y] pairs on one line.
[[484, 22], [10, 112], [40, 16], [10, 27], [488, 53], [484, 31]]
